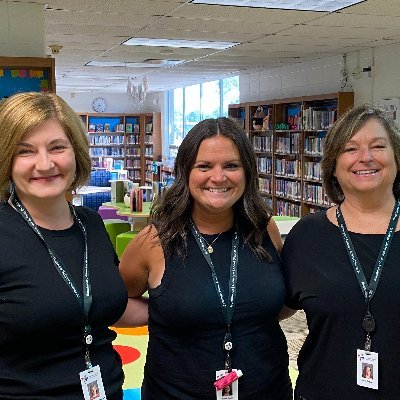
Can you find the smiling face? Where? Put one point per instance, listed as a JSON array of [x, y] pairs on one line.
[[44, 165], [367, 164], [217, 179]]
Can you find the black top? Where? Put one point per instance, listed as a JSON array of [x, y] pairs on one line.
[[187, 327], [321, 280], [41, 323]]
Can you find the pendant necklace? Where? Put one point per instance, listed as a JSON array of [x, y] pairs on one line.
[[210, 249]]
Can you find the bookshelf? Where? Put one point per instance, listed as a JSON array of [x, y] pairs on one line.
[[132, 139], [288, 142]]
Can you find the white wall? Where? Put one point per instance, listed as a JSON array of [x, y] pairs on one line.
[[325, 76], [22, 30], [116, 103]]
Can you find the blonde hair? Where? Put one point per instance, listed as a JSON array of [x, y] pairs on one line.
[[23, 112]]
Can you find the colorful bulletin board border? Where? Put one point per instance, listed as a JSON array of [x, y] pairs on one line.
[[23, 80]]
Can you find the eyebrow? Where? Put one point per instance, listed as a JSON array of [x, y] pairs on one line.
[[375, 139], [62, 140]]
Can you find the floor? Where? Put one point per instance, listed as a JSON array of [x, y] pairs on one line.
[[132, 344]]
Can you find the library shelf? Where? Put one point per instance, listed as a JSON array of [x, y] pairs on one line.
[[134, 140], [288, 139]]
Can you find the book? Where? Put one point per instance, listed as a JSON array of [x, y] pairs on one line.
[[107, 127], [128, 128], [136, 128]]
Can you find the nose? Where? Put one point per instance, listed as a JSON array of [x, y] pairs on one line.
[[365, 154], [44, 161], [218, 174]]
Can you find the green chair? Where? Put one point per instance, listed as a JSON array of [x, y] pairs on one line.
[[123, 240], [115, 227]]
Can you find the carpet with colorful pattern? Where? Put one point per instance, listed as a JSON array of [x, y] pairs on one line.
[[131, 344]]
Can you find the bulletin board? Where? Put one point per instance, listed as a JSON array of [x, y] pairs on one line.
[[26, 74]]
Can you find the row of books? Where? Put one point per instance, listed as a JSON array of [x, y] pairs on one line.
[[114, 139], [133, 139], [106, 151], [262, 143], [287, 208], [318, 119], [132, 128], [134, 175], [264, 165], [288, 145], [148, 139], [133, 163], [314, 146], [265, 185], [315, 194], [290, 168], [289, 189], [106, 128], [312, 170]]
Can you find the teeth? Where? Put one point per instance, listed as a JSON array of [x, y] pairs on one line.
[[218, 190], [373, 171]]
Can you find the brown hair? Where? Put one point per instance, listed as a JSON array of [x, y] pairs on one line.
[[341, 132], [23, 112]]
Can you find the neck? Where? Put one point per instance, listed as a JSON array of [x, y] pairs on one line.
[[53, 215], [210, 224], [368, 216]]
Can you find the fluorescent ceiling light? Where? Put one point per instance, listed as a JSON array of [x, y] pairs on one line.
[[177, 43], [301, 5], [144, 64]]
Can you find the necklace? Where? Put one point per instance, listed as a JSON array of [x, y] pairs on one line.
[[210, 249]]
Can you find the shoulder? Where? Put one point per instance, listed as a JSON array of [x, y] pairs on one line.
[[87, 214], [309, 222]]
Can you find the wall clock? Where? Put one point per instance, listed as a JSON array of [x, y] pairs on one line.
[[99, 104]]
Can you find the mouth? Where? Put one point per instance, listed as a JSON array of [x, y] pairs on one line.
[[45, 178], [217, 190], [366, 172]]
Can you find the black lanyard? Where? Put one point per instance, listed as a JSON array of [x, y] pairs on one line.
[[368, 289], [84, 301], [227, 309]]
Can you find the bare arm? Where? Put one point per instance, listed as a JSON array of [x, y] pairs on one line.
[[275, 235], [276, 238], [136, 313], [286, 312], [135, 272]]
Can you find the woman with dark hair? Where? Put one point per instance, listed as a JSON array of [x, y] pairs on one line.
[[210, 263], [342, 266]]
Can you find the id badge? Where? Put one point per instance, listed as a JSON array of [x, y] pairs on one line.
[[92, 384], [230, 392], [367, 369]]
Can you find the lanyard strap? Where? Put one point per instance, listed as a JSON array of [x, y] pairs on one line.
[[85, 300], [368, 289], [226, 307]]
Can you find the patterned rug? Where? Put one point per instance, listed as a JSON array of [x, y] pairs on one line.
[[131, 344]]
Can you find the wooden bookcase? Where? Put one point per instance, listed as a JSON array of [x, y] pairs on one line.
[[133, 139], [26, 74], [289, 146]]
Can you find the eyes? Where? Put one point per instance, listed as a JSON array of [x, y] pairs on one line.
[[353, 148], [23, 150], [230, 166]]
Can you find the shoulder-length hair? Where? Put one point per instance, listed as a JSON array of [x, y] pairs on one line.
[[341, 132], [171, 213], [23, 112]]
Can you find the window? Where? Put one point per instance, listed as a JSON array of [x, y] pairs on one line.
[[191, 104]]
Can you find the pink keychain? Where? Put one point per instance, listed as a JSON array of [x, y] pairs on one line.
[[228, 379]]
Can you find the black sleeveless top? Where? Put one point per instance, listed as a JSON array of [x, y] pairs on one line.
[[186, 326]]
